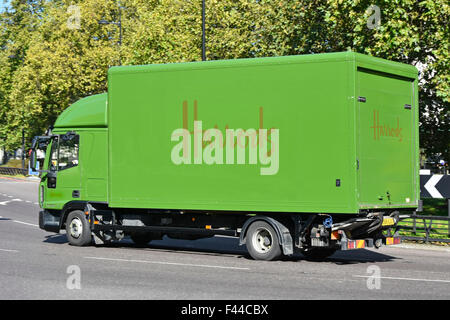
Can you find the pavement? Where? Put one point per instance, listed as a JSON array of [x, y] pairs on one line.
[[35, 264]]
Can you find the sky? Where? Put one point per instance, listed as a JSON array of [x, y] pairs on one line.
[[3, 4]]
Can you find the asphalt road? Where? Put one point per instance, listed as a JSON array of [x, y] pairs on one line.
[[35, 264]]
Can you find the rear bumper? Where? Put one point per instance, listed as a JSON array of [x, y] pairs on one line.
[[49, 221], [368, 243], [388, 241]]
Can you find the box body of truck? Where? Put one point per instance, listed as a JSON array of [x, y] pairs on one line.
[[276, 139], [332, 152]]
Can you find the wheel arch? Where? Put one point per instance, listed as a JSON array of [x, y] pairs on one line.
[[283, 233], [69, 207]]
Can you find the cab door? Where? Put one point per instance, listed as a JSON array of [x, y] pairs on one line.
[[65, 185]]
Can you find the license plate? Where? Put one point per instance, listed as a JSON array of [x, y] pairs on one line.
[[388, 221]]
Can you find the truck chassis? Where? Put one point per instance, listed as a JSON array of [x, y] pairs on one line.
[[267, 236]]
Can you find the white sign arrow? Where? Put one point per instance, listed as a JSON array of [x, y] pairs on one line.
[[430, 186]]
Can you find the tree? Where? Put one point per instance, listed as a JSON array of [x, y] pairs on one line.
[[16, 24], [47, 64], [61, 64]]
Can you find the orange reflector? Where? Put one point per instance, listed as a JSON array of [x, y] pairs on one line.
[[360, 244], [208, 227], [355, 244], [86, 213], [95, 222]]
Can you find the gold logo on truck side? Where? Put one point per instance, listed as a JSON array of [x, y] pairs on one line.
[[385, 130], [233, 146]]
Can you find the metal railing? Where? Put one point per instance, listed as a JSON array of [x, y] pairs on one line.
[[13, 171], [433, 227]]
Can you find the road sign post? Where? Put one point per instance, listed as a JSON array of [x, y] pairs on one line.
[[435, 186]]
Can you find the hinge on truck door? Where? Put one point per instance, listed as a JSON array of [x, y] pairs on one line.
[[357, 164], [361, 99]]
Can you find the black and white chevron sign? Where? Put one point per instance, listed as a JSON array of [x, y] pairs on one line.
[[435, 186]]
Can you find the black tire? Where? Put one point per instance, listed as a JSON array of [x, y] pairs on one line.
[[318, 254], [141, 238], [262, 241], [78, 230]]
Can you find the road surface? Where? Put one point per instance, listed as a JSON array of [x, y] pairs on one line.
[[35, 264]]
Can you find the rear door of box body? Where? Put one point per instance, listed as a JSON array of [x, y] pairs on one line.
[[386, 140]]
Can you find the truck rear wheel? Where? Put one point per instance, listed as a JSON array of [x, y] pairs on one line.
[[77, 229], [262, 241]]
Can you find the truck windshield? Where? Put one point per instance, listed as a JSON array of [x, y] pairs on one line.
[[64, 153]]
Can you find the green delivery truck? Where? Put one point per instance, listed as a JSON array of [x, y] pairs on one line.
[[311, 154]]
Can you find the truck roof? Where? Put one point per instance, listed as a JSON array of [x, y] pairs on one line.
[[359, 59], [86, 112]]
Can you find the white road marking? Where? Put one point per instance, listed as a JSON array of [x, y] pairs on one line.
[[408, 279], [26, 223], [168, 263], [4, 203], [21, 222], [8, 250]]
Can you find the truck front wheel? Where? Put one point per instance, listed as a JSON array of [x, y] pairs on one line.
[[262, 241], [77, 229]]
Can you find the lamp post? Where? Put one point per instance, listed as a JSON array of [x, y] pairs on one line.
[[23, 148], [203, 32]]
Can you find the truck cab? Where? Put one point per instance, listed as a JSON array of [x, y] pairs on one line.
[[75, 165]]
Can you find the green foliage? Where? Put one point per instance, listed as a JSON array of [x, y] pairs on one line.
[[15, 163], [46, 65], [435, 207]]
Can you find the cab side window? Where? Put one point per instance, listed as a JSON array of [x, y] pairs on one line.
[[68, 152]]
